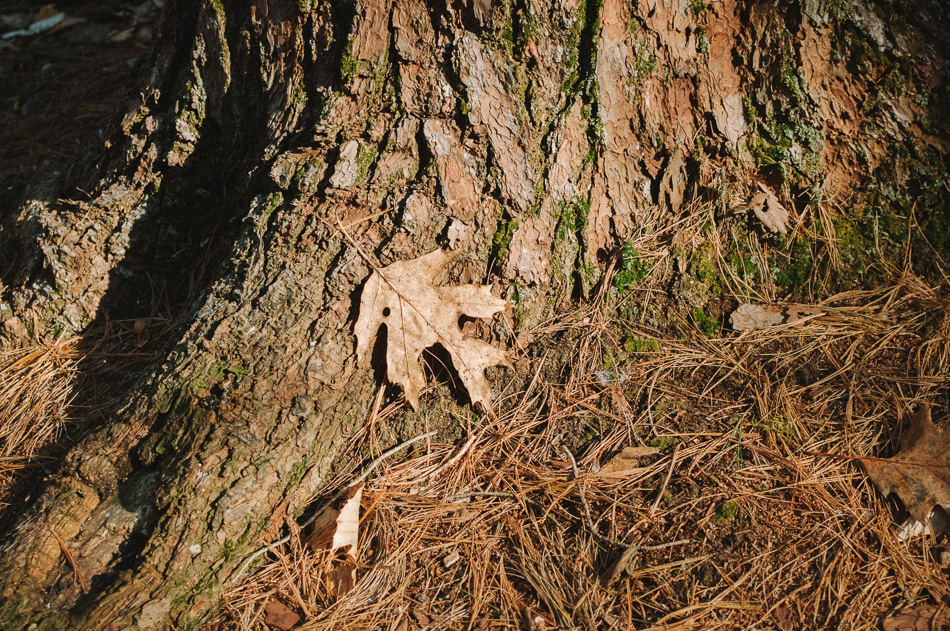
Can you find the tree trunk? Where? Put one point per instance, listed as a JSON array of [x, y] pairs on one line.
[[273, 137]]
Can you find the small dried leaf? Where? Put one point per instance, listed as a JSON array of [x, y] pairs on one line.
[[918, 618], [451, 559], [783, 618], [624, 564], [625, 463], [421, 617], [417, 315], [327, 526], [140, 330], [279, 615], [919, 474], [794, 313], [338, 530], [770, 212], [139, 326], [757, 317], [347, 536], [343, 578]]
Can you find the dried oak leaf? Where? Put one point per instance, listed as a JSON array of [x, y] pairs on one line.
[[756, 317], [417, 315], [920, 472], [770, 212]]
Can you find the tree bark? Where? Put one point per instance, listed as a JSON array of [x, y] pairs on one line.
[[272, 137]]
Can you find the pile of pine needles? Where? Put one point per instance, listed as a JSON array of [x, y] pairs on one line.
[[751, 512]]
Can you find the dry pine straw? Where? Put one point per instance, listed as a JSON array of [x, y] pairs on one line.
[[36, 385], [494, 532], [50, 391], [774, 531]]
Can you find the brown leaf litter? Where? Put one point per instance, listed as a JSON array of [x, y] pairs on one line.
[[280, 616], [338, 531], [418, 315], [919, 474], [918, 618], [627, 461], [758, 317], [769, 210], [643, 545]]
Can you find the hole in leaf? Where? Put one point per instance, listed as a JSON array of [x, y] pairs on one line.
[[439, 363], [386, 312], [378, 358]]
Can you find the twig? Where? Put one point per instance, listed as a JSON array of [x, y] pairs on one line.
[[625, 560], [660, 546], [69, 557], [669, 473], [361, 478], [580, 491]]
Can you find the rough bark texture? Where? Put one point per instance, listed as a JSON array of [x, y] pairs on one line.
[[535, 136]]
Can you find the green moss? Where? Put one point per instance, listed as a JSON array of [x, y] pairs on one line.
[[589, 274], [506, 34], [727, 512], [664, 442], [748, 109], [792, 269], [519, 300], [698, 7], [641, 345], [274, 200], [349, 64], [228, 549], [461, 93], [788, 71], [643, 65], [787, 137], [379, 75], [572, 218], [743, 261], [702, 41], [300, 93], [572, 46], [631, 269], [364, 160], [857, 247], [778, 425], [936, 226], [221, 370], [702, 266], [708, 326], [502, 237], [307, 178]]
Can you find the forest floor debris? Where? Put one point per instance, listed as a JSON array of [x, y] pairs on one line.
[[716, 486]]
